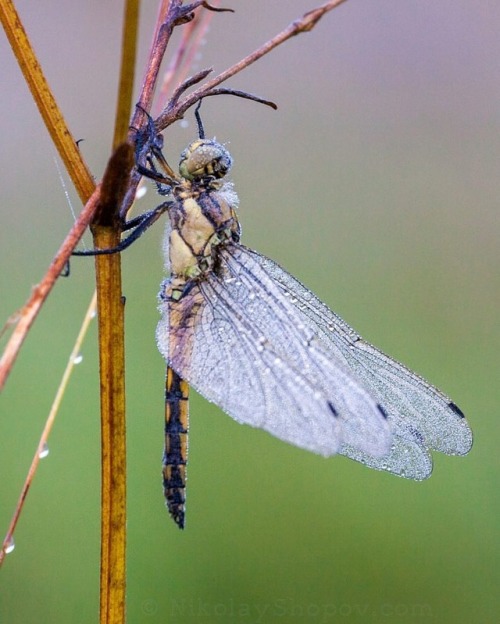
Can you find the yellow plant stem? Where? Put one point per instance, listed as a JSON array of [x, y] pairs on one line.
[[106, 229], [110, 310], [47, 105]]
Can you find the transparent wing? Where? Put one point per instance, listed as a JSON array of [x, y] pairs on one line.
[[242, 344], [420, 416]]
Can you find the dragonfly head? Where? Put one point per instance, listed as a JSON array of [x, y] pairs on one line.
[[204, 158]]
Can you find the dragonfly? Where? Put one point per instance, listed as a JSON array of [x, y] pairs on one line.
[[252, 339]]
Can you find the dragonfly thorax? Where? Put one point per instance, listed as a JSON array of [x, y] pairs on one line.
[[202, 217]]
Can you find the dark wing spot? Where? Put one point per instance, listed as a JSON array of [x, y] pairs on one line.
[[418, 436], [456, 409], [382, 411], [332, 409]]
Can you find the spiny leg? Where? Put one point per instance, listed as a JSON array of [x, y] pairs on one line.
[[138, 225]]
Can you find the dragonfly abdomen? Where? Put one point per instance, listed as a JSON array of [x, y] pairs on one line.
[[176, 446]]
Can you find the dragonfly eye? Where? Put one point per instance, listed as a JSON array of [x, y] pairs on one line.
[[204, 158]]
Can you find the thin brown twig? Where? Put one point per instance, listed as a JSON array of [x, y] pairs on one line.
[[127, 71], [160, 41], [175, 63], [173, 13], [191, 41], [298, 26], [41, 291], [89, 315]]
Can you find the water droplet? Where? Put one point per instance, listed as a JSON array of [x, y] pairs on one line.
[[9, 547], [184, 123], [93, 314], [77, 359], [141, 191], [260, 344], [44, 451]]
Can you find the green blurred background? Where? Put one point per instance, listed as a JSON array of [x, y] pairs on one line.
[[375, 183]]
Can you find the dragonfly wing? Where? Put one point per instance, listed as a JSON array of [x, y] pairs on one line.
[[420, 415], [213, 349], [237, 340]]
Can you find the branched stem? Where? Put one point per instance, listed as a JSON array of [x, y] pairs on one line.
[[192, 36], [304, 24]]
